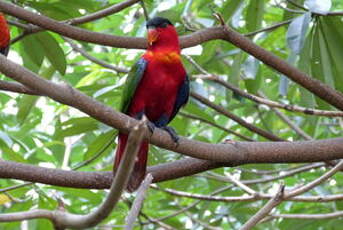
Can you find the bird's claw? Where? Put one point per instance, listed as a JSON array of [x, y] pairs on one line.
[[172, 134], [151, 127]]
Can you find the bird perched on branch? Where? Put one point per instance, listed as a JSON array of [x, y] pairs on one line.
[[4, 36], [157, 87]]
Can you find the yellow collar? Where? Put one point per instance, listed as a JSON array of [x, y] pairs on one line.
[[164, 56]]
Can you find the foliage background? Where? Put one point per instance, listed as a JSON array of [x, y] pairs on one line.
[[39, 131]]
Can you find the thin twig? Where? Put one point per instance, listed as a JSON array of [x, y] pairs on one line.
[[241, 185], [293, 126], [315, 182], [237, 119], [145, 11], [294, 108], [215, 125], [84, 53], [272, 203], [309, 216], [270, 103], [270, 28], [138, 202]]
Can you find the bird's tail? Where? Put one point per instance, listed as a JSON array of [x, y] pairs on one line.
[[139, 169]]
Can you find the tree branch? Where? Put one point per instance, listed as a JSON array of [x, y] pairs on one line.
[[30, 29], [272, 203], [323, 91], [238, 153], [270, 103], [102, 63], [64, 220], [237, 119], [137, 204], [215, 125], [315, 182], [309, 216]]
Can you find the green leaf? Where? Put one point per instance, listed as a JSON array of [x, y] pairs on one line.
[[318, 6], [333, 34], [194, 109], [77, 126], [32, 53], [253, 85], [297, 31], [99, 144], [304, 64], [53, 51], [229, 9], [27, 102], [254, 15]]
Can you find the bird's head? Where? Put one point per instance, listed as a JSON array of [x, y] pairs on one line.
[[161, 34]]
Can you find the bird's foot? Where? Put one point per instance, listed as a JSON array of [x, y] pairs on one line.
[[229, 141], [172, 134], [151, 127]]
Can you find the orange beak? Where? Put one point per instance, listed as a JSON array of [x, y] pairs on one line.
[[152, 36]]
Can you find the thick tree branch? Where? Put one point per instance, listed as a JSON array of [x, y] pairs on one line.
[[238, 153], [16, 88], [99, 180], [100, 38], [30, 29], [323, 91]]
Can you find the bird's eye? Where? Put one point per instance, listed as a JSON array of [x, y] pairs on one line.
[[164, 25]]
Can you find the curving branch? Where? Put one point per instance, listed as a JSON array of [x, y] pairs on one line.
[[323, 91], [138, 202], [237, 153], [315, 86], [30, 29], [247, 198], [270, 103], [63, 220], [264, 211], [98, 180]]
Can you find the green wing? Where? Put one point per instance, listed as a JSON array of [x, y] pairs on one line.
[[132, 81]]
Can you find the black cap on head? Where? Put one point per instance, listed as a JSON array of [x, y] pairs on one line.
[[158, 22]]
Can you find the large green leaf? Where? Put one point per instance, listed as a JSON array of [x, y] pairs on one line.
[[254, 14], [27, 102], [53, 51], [297, 31]]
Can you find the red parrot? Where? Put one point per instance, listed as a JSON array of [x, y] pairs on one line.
[[157, 87], [4, 36]]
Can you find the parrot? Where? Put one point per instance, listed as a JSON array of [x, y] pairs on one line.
[[156, 87], [4, 36]]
